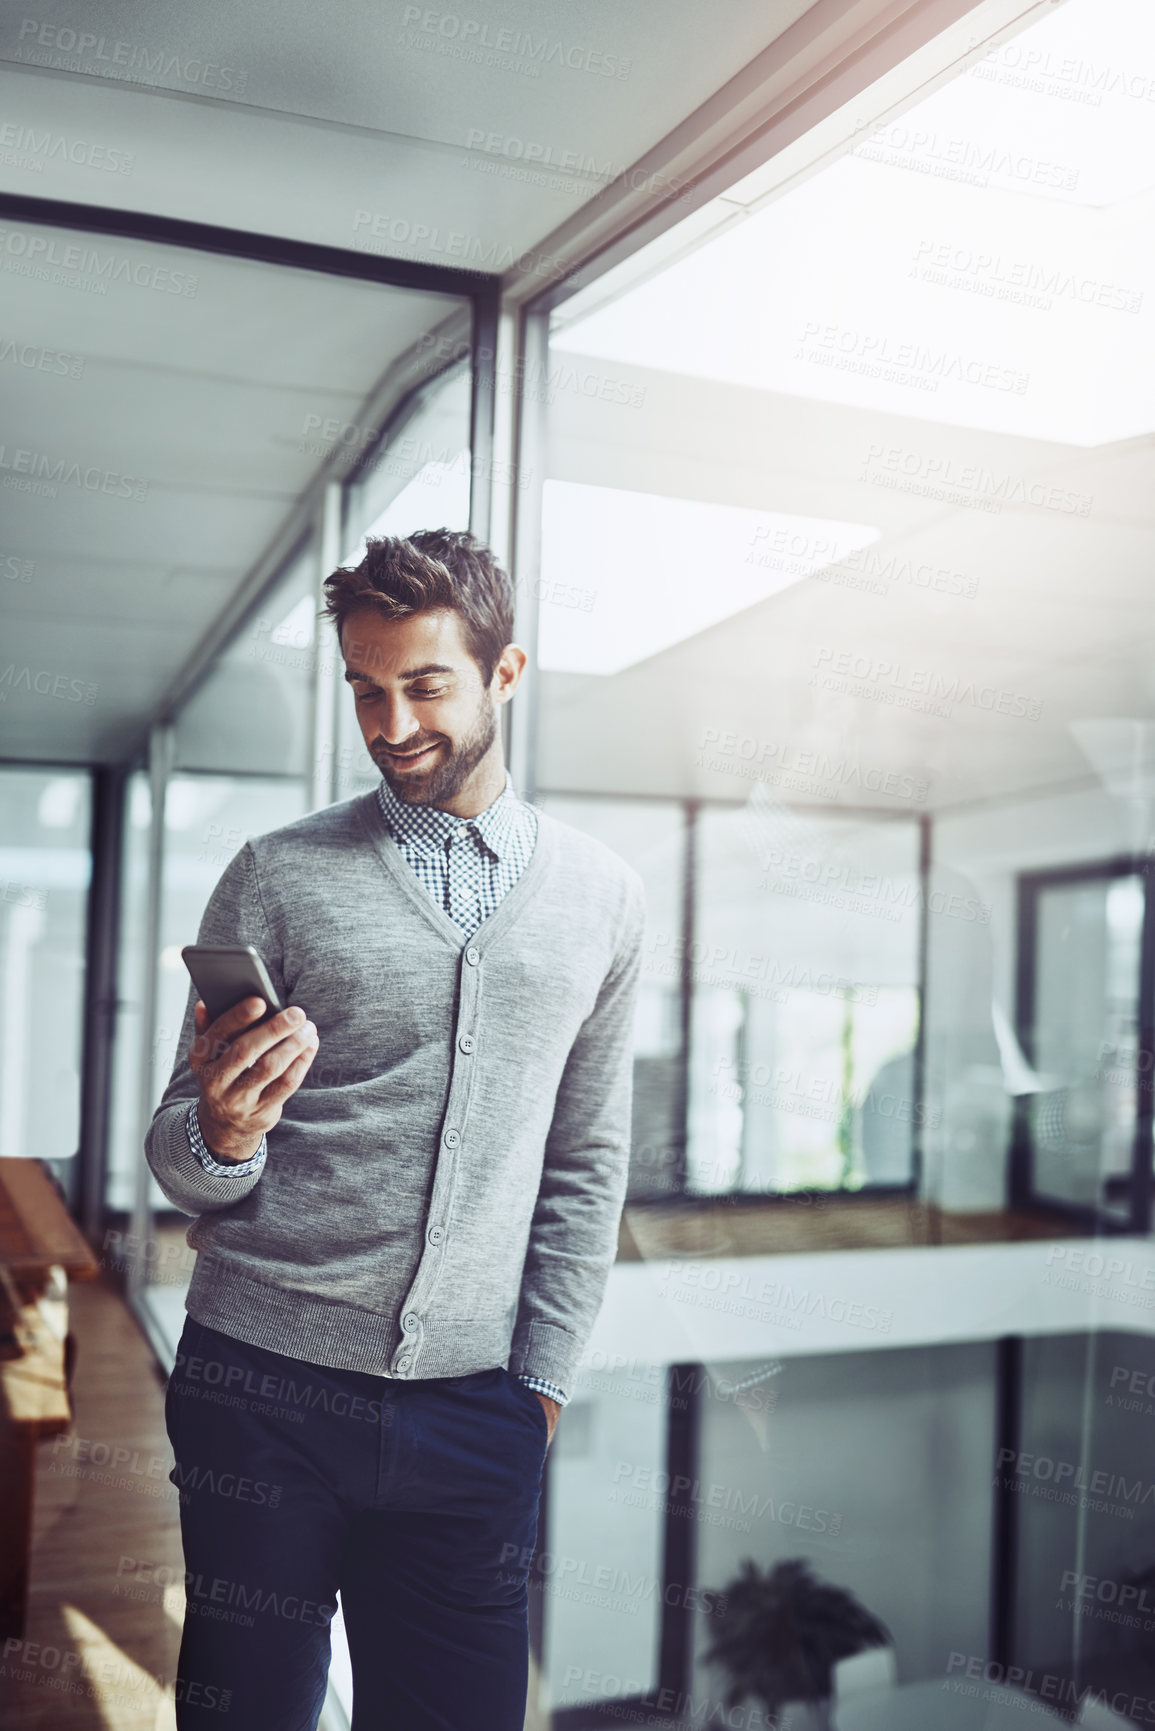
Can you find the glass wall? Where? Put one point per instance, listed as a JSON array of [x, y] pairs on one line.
[[45, 866], [845, 552]]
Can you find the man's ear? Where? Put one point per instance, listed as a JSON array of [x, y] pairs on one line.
[[507, 673]]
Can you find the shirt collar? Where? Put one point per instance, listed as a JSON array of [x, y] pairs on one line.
[[429, 826]]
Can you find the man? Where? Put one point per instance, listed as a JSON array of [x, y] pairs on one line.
[[407, 1187]]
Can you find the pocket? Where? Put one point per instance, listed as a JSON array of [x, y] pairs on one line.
[[525, 1393]]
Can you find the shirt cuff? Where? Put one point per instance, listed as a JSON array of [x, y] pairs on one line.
[[221, 1169], [542, 1385]]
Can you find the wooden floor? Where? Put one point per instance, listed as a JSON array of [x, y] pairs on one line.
[[101, 1643]]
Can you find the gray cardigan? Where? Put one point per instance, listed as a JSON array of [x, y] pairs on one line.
[[442, 1193]]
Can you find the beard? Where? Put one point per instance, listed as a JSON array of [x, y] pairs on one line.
[[445, 779]]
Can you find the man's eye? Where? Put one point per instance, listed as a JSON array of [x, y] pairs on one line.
[[365, 696], [428, 691]]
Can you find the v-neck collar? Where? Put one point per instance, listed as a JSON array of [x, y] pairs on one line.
[[373, 823]]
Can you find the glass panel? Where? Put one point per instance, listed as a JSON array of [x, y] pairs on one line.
[[252, 714], [805, 1012], [779, 1484], [45, 866], [1086, 1042], [846, 547], [125, 1153], [650, 834]]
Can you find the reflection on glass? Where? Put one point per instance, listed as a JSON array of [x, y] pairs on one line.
[[252, 712], [846, 547], [1086, 1042], [805, 1011]]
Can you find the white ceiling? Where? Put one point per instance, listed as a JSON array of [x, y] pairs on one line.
[[774, 369], [1060, 616], [341, 109], [357, 125], [196, 412]]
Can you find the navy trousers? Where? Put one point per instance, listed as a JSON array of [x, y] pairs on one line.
[[417, 1500]]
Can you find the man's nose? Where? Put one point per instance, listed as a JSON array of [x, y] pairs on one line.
[[398, 723]]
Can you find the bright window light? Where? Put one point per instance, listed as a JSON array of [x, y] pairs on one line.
[[298, 627], [436, 498], [978, 261], [625, 575]]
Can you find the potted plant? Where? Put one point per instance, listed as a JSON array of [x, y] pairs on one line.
[[780, 1634]]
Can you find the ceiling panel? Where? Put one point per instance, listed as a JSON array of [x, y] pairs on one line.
[[153, 444]]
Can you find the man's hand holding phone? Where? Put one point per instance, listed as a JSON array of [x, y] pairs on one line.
[[247, 1073]]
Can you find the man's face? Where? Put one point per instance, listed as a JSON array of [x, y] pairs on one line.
[[427, 719]]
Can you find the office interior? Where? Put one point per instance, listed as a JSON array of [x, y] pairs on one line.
[[797, 361]]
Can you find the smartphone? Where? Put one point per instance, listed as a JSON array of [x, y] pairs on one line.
[[223, 974]]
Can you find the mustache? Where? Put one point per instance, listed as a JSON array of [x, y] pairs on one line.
[[380, 749]]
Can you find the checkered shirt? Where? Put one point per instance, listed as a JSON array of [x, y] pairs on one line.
[[466, 865]]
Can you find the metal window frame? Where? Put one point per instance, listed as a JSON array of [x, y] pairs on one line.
[[1021, 1189]]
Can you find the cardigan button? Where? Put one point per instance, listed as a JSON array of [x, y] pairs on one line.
[[452, 1138], [472, 956], [467, 1042]]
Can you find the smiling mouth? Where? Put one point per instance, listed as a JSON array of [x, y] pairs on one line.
[[411, 756]]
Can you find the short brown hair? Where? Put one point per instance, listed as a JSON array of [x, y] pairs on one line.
[[400, 575]]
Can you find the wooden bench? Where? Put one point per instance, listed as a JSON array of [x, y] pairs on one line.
[[41, 1248]]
